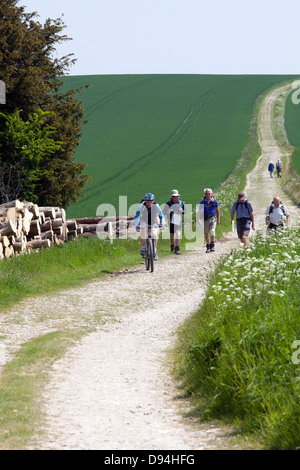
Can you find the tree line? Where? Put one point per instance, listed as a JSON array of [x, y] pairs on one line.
[[41, 122]]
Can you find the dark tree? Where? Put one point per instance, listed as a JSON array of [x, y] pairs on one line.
[[34, 84]]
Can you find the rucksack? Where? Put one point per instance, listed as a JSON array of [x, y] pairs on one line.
[[281, 206], [245, 202], [213, 200]]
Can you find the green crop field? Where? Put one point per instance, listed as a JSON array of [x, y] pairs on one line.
[[292, 126], [154, 133]]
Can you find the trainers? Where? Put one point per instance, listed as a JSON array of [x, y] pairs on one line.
[[177, 250], [207, 248], [212, 246], [143, 252], [155, 255], [172, 247]]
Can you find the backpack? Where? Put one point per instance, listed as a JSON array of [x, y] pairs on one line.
[[281, 206], [245, 202], [213, 200]]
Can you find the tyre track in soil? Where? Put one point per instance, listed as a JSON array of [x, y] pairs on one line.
[[113, 390]]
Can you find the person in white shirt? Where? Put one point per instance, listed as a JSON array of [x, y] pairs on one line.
[[277, 215]]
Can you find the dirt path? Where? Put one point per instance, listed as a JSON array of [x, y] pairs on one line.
[[113, 390], [260, 187]]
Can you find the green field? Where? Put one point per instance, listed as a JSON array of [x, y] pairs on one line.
[[292, 126], [154, 133]]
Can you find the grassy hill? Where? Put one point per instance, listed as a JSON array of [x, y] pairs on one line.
[[159, 132]]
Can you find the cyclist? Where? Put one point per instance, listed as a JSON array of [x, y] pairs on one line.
[[148, 213]]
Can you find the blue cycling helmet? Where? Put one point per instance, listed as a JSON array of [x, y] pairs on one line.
[[149, 197]]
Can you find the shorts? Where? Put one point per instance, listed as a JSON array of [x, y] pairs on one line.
[[175, 228], [275, 226], [210, 225], [243, 227]]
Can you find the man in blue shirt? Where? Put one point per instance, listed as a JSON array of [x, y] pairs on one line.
[[209, 207], [271, 168], [244, 217]]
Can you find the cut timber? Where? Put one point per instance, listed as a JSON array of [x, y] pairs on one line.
[[18, 205], [93, 228], [26, 221], [89, 220], [48, 211], [39, 243], [57, 223], [42, 218], [48, 235], [61, 214], [19, 247], [96, 220], [24, 227], [59, 231], [65, 231], [46, 226], [8, 251], [33, 208], [5, 241], [8, 229], [35, 228], [71, 225]]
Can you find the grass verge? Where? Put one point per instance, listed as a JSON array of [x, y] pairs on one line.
[[284, 118], [236, 356], [64, 266], [22, 381]]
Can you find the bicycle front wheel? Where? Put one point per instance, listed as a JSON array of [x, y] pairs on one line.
[[147, 257], [151, 243]]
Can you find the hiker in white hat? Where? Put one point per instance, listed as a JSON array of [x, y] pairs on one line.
[[174, 209]]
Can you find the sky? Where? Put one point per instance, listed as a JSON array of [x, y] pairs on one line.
[[177, 36]]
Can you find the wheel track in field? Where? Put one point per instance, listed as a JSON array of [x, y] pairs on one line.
[[175, 138]]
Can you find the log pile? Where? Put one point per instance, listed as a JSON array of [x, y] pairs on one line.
[[100, 226], [25, 226]]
